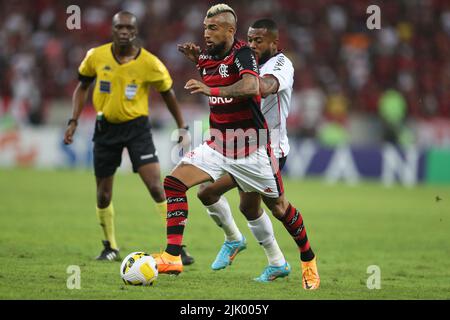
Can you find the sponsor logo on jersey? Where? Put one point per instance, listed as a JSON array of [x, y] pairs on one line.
[[190, 154], [238, 64], [279, 63], [219, 100], [204, 57], [254, 64]]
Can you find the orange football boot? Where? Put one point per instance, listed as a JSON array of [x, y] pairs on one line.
[[168, 263], [310, 275]]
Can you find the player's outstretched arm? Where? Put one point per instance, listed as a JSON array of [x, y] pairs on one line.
[[190, 50], [248, 86], [79, 97]]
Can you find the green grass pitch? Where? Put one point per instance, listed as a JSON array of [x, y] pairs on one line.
[[48, 222]]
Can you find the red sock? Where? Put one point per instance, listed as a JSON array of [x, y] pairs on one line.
[[293, 222], [177, 212]]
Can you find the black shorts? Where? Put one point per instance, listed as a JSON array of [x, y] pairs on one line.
[[110, 139]]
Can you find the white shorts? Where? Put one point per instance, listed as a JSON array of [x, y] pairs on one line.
[[252, 174]]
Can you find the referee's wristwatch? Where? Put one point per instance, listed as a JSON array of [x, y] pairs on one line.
[[72, 120]]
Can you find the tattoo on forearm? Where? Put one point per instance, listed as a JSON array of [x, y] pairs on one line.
[[269, 85], [246, 87]]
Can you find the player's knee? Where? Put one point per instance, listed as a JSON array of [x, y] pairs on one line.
[[251, 212], [103, 198], [172, 183], [278, 206], [206, 196], [156, 191], [245, 208], [277, 210]]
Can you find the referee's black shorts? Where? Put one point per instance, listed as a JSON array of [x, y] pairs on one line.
[[110, 139]]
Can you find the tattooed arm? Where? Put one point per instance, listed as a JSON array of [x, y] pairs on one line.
[[248, 86], [268, 85]]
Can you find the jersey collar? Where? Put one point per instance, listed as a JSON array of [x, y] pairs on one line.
[[117, 60]]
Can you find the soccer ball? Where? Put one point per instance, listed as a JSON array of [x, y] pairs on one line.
[[139, 268]]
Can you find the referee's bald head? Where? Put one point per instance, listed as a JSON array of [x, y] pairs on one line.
[[124, 15]]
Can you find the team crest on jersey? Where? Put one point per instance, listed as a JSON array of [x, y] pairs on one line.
[[130, 91], [223, 71]]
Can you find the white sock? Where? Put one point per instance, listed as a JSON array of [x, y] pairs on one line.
[[262, 229], [220, 212]]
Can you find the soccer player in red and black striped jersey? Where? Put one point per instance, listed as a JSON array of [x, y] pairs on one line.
[[239, 143], [276, 78]]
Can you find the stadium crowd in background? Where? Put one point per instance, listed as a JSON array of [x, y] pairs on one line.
[[342, 67]]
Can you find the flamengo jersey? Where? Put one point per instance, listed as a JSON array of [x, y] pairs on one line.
[[235, 123], [121, 91], [275, 107]]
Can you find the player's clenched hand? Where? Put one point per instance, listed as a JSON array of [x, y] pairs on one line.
[[196, 86], [184, 138], [70, 131], [190, 50]]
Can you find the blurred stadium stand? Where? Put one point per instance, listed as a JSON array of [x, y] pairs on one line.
[[353, 86]]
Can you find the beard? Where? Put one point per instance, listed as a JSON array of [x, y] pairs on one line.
[[216, 49], [264, 57]]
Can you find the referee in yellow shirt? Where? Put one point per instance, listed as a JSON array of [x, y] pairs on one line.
[[123, 72]]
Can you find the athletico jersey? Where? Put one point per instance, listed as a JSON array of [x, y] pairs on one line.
[[122, 90], [275, 107], [234, 122]]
